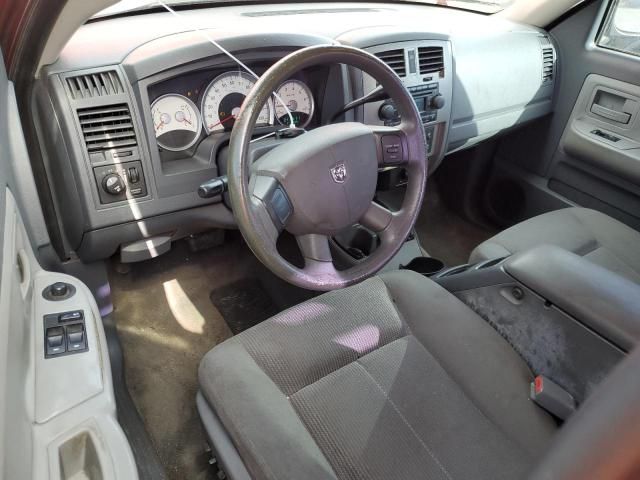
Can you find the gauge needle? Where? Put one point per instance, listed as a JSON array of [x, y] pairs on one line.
[[221, 121]]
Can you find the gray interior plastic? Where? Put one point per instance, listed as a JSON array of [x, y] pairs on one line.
[[144, 53], [604, 301], [559, 162], [47, 402]]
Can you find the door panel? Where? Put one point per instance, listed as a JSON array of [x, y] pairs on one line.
[[588, 152], [598, 160], [58, 414]]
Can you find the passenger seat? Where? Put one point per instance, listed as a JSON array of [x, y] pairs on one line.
[[591, 234]]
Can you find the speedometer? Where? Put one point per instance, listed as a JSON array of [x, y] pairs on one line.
[[298, 99], [223, 98]]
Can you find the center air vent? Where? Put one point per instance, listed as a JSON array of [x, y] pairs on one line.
[[94, 85], [107, 127], [395, 59], [431, 60]]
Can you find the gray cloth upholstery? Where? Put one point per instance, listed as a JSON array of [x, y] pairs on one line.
[[589, 233], [391, 378]]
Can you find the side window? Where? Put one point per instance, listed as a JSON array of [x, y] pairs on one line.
[[621, 28]]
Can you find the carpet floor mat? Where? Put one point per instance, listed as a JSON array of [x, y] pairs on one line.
[[243, 304]]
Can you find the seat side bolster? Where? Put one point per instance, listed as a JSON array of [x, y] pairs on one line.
[[259, 417], [485, 366]]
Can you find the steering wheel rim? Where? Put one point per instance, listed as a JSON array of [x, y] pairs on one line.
[[253, 188]]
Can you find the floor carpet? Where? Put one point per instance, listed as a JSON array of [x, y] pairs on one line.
[[446, 235], [167, 322], [243, 304]]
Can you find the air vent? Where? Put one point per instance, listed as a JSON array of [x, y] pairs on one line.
[[395, 59], [107, 127], [547, 64], [431, 60], [94, 85], [547, 60]]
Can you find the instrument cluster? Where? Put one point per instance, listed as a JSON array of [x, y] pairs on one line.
[[179, 122]]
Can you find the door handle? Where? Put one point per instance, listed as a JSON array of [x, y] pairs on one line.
[[620, 117]]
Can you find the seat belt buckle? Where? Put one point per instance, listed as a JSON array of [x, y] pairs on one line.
[[552, 397]]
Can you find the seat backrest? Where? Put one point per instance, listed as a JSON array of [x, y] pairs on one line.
[[602, 439]]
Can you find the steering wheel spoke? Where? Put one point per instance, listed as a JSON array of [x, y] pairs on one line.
[[393, 148], [377, 218], [318, 261], [271, 200], [315, 247]]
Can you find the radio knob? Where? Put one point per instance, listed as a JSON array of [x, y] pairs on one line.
[[438, 102], [113, 184]]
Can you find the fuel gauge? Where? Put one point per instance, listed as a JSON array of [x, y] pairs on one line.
[[176, 122], [298, 98]]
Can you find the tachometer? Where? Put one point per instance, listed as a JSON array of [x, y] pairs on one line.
[[176, 122], [298, 99], [223, 98]]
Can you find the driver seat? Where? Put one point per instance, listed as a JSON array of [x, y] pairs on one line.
[[390, 378]]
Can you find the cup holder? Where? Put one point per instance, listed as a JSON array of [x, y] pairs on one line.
[[426, 266], [357, 241]]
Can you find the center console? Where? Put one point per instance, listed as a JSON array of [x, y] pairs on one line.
[[572, 321]]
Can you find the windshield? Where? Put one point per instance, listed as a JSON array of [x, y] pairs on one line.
[[124, 6]]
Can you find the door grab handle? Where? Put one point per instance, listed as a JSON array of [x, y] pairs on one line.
[[620, 117]]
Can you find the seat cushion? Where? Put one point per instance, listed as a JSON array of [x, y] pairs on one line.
[[589, 233], [391, 378]]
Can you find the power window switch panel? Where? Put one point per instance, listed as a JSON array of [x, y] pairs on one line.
[[54, 341], [76, 338]]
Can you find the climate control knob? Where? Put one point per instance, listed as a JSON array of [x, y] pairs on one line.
[[437, 102], [113, 184]]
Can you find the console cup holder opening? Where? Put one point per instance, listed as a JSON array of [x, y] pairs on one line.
[[426, 266], [357, 241]]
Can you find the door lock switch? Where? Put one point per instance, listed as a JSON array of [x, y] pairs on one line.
[[71, 316]]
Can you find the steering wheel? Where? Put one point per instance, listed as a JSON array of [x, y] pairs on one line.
[[323, 181]]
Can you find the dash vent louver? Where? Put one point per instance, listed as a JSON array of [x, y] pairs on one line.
[[395, 59], [107, 127], [92, 85], [548, 60], [431, 60]]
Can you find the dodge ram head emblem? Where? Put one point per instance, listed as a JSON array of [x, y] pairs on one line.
[[339, 173]]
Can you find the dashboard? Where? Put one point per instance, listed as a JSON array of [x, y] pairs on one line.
[[136, 124]]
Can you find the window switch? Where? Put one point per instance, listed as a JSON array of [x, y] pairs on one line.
[[54, 341], [75, 337]]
